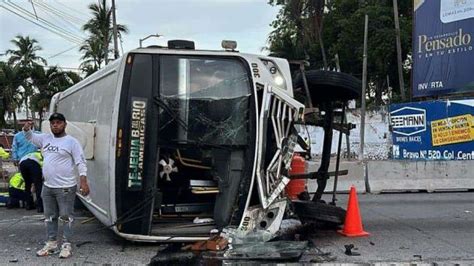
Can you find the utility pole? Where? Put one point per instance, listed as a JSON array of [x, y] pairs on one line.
[[364, 86], [116, 52], [399, 50]]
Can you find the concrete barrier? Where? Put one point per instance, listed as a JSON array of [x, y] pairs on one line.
[[397, 175], [356, 176]]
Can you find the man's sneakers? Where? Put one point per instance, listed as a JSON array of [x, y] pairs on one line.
[[65, 251], [49, 248]]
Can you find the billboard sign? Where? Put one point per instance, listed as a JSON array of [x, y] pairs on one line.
[[436, 130], [443, 42]]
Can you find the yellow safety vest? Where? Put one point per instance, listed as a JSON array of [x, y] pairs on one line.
[[16, 181], [39, 156], [3, 154]]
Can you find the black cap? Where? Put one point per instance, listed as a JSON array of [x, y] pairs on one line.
[[57, 116]]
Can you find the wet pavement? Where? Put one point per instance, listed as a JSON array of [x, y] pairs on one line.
[[404, 227]]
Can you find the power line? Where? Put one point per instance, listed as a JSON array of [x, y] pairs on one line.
[[42, 26], [72, 9], [59, 18], [31, 15], [60, 53], [59, 12], [63, 34]]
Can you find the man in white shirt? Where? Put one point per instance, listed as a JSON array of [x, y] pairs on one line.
[[63, 158]]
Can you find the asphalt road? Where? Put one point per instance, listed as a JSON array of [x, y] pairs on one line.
[[405, 227], [408, 227], [23, 233]]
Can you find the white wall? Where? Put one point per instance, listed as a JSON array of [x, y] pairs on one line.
[[378, 140]]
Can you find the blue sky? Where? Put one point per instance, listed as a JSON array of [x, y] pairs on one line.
[[206, 22]]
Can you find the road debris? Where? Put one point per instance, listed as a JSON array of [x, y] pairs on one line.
[[215, 243], [349, 251], [270, 251], [173, 255], [237, 237]]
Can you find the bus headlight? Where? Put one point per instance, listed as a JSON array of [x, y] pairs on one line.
[[275, 72], [279, 80]]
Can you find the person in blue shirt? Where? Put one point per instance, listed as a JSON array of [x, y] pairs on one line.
[[21, 147]]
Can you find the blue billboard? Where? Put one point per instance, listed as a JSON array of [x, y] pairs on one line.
[[443, 54], [435, 130]]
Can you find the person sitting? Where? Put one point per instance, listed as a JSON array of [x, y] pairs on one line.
[[16, 191]]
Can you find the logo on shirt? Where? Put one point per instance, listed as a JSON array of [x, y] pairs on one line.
[[50, 148]]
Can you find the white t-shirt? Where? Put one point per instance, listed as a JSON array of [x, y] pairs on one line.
[[61, 157]]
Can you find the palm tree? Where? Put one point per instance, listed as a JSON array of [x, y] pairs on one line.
[[93, 55], [96, 47], [49, 82], [11, 78], [26, 58], [25, 54]]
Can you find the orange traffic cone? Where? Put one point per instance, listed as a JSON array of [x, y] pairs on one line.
[[353, 223]]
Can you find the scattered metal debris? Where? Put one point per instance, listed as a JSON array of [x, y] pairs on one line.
[[270, 251], [349, 251], [237, 237]]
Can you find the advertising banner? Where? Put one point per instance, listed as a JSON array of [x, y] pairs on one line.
[[443, 54], [436, 130]]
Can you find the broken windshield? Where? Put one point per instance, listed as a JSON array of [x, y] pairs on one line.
[[209, 98]]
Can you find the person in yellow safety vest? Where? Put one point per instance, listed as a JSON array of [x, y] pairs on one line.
[[16, 191], [4, 154], [30, 168]]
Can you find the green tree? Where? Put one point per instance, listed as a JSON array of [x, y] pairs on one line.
[[343, 34], [11, 78], [25, 52], [93, 55], [296, 28], [47, 83], [25, 56], [96, 48]]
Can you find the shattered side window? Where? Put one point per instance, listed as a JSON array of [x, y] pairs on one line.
[[209, 100]]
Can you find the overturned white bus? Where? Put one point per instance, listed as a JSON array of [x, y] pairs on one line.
[[173, 133]]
